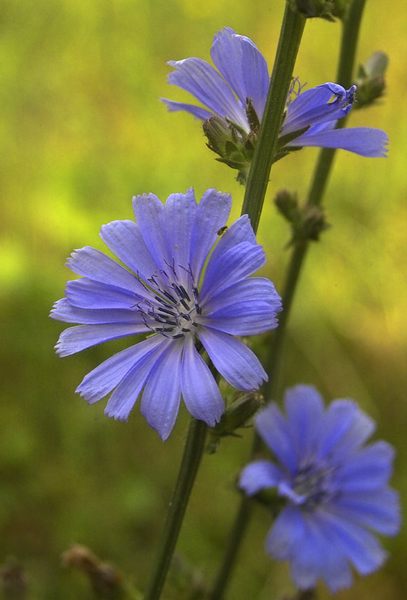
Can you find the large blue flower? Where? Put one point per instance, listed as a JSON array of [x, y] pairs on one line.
[[335, 487], [183, 299], [236, 94]]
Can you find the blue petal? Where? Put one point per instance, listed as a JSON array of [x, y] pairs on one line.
[[179, 215], [375, 509], [286, 533], [242, 318], [275, 432], [225, 270], [106, 376], [161, 396], [125, 240], [252, 289], [211, 215], [64, 311], [80, 337], [259, 475], [125, 395], [361, 140], [85, 293], [316, 106], [243, 67], [196, 111], [357, 544], [97, 266], [368, 469], [240, 231], [149, 215], [204, 82], [199, 389], [305, 410], [344, 430], [234, 361], [316, 557]]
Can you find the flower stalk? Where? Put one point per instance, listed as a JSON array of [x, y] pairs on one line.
[[254, 197], [288, 45], [191, 459], [256, 187]]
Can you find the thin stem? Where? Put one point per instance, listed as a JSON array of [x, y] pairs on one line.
[[290, 37], [350, 33], [349, 39], [289, 42], [189, 466]]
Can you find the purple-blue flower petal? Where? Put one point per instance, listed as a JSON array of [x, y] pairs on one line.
[[199, 389], [378, 509], [197, 77], [253, 289], [85, 293], [64, 311], [259, 475], [243, 318], [162, 392], [272, 426], [129, 388], [285, 535], [344, 430], [77, 338], [125, 240], [196, 111], [365, 141], [305, 411], [106, 376], [149, 211], [179, 215], [243, 67], [360, 547], [225, 270], [211, 215], [234, 361], [368, 469], [95, 265], [326, 102]]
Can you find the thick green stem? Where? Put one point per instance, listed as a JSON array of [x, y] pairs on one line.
[[252, 205], [289, 42], [189, 466]]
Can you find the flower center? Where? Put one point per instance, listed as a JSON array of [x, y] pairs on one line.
[[173, 307], [313, 485]]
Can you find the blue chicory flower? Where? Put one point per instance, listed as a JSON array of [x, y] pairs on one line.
[[235, 94], [335, 488], [171, 290]]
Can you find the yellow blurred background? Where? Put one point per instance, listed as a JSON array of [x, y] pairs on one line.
[[81, 131]]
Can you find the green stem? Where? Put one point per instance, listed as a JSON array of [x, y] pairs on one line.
[[290, 37], [252, 205], [189, 466], [289, 42], [350, 34]]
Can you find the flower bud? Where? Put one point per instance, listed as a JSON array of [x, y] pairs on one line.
[[234, 146], [324, 9], [235, 417], [371, 79]]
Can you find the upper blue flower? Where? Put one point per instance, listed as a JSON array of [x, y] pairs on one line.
[[183, 299], [237, 93], [335, 487]]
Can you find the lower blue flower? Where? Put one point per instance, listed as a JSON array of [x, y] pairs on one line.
[[181, 292], [335, 488]]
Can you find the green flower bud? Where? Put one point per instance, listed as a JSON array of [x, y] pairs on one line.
[[324, 9], [235, 417], [371, 79]]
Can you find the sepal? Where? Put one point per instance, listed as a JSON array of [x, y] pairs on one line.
[[371, 80]]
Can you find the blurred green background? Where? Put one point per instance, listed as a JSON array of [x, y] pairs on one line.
[[81, 131]]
